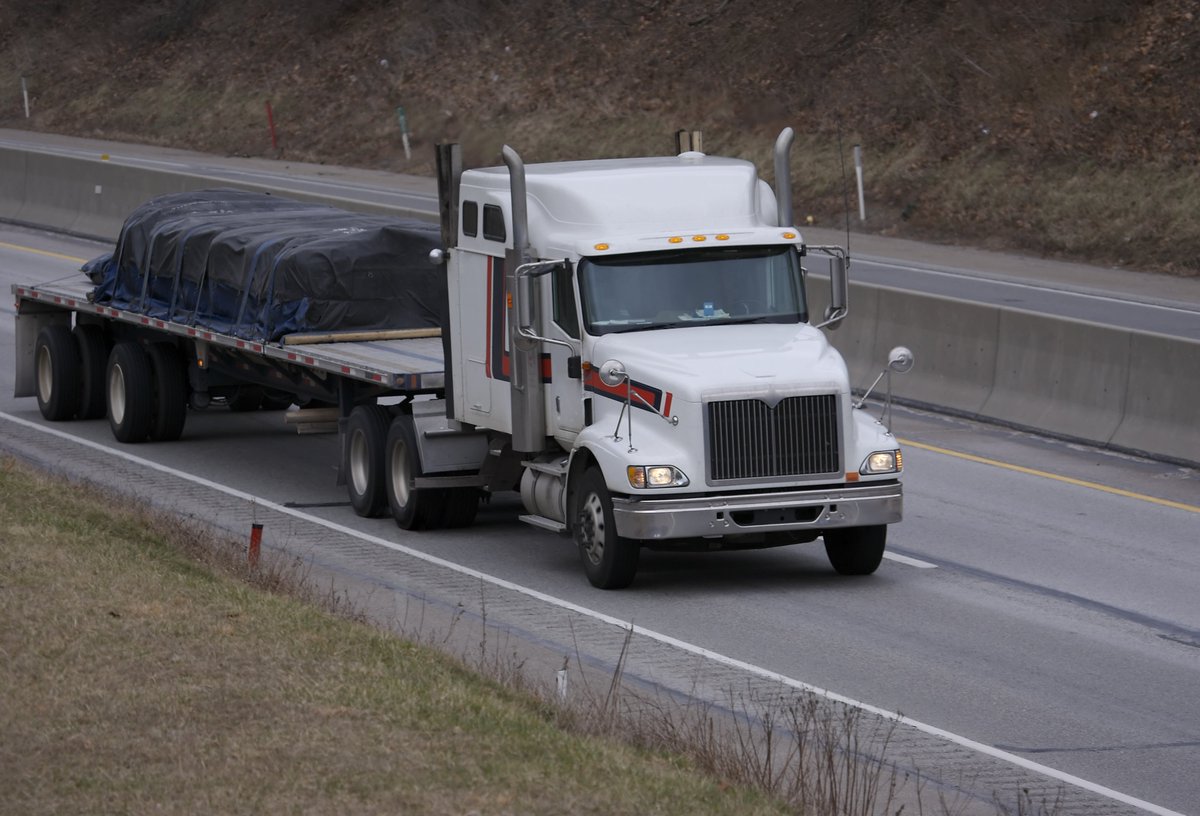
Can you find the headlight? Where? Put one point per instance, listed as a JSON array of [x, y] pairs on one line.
[[643, 477], [882, 462]]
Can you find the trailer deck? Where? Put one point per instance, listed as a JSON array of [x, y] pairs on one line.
[[409, 364]]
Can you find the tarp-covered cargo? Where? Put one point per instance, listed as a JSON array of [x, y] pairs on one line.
[[259, 266]]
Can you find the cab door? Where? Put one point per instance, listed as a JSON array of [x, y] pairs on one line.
[[564, 391]]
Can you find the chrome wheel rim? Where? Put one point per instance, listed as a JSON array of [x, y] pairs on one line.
[[358, 462], [45, 374], [400, 475], [591, 528], [116, 394]]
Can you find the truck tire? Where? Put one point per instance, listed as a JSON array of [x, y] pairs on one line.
[[413, 508], [461, 507], [609, 561], [93, 362], [57, 364], [245, 398], [130, 380], [170, 392], [856, 550], [366, 436]]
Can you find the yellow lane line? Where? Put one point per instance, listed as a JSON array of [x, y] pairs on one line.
[[47, 253], [1116, 491]]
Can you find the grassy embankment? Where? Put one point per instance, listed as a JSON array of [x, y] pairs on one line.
[[139, 674]]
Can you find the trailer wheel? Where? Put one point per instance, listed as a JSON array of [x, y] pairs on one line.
[[366, 436], [57, 367], [170, 392], [413, 508], [245, 398], [130, 379], [274, 400], [609, 561], [856, 550], [93, 358], [462, 504]]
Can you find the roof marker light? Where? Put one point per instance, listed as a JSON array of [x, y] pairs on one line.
[[789, 235], [600, 247], [675, 239], [722, 237], [699, 238]]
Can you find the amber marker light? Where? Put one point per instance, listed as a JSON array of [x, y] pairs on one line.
[[699, 238], [722, 237], [675, 239], [790, 236], [600, 247]]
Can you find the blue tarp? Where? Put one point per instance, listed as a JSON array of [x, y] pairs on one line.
[[258, 266]]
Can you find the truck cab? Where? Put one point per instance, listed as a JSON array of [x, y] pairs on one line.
[[636, 333]]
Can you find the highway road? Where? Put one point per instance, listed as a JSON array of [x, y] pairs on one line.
[[1041, 598]]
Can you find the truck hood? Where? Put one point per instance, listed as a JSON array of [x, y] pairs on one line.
[[709, 361]]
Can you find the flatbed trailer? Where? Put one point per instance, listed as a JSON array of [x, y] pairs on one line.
[[409, 365]]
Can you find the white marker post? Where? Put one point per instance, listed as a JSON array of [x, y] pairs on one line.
[[25, 95], [858, 172], [404, 132]]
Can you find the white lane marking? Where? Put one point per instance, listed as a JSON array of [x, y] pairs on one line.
[[667, 640], [912, 562], [1038, 286]]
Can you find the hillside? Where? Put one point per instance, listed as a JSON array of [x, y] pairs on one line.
[[1061, 127]]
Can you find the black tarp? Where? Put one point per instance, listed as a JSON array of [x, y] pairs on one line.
[[258, 266]]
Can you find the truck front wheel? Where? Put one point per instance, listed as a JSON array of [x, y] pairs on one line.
[[856, 550], [609, 561], [366, 436], [413, 508]]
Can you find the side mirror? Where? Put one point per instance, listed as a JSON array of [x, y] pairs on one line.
[[612, 373], [900, 360]]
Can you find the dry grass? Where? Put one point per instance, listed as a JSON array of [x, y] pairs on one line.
[[135, 679]]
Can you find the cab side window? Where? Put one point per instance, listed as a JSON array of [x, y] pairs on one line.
[[563, 291]]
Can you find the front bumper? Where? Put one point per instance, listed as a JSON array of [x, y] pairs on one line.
[[704, 516]]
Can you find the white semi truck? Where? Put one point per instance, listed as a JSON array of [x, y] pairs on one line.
[[627, 343]]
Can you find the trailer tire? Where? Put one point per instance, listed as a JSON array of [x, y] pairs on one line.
[[93, 363], [413, 508], [363, 459], [130, 389], [461, 507], [170, 392], [56, 360], [245, 398], [274, 400], [856, 550], [609, 560]]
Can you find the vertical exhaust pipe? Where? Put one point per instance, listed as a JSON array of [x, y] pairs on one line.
[[526, 389], [783, 176]]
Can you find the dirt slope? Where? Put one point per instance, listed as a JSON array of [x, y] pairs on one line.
[[1065, 127]]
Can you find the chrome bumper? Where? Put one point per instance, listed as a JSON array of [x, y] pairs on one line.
[[844, 506]]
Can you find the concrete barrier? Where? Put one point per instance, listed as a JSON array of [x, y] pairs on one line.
[[12, 182], [1111, 387], [1062, 376], [1162, 400]]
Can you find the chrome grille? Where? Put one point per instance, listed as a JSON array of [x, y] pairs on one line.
[[747, 439]]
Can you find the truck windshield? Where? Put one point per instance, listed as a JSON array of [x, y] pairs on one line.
[[694, 287]]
